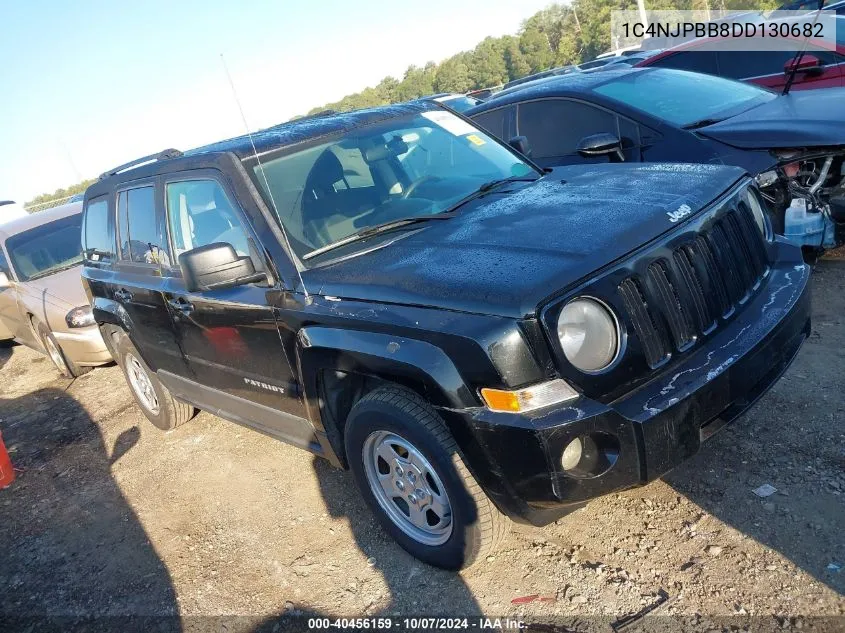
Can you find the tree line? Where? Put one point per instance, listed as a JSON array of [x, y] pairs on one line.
[[558, 35], [42, 201]]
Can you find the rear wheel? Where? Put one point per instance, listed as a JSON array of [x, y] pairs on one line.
[[155, 401], [410, 472], [63, 364]]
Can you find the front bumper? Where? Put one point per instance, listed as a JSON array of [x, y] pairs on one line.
[[516, 458], [84, 346]]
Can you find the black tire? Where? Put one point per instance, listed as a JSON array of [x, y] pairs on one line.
[[66, 367], [169, 412], [477, 526]]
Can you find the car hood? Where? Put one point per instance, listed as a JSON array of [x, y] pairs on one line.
[[805, 118], [63, 289], [507, 252]]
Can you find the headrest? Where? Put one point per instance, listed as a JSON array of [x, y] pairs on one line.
[[378, 152], [326, 171], [395, 147]]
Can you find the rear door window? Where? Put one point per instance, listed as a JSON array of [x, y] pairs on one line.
[[141, 235]]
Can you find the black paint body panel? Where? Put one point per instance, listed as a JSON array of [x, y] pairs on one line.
[[450, 307]]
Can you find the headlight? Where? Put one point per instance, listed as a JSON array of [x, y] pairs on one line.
[[589, 334], [80, 317], [760, 215]]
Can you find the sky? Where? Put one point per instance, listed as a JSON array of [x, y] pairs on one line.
[[88, 85]]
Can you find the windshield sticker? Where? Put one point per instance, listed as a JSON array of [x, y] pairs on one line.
[[475, 139], [449, 122]]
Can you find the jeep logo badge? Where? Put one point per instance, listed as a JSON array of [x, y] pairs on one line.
[[683, 211]]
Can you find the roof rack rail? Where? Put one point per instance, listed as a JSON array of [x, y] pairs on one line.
[[163, 155]]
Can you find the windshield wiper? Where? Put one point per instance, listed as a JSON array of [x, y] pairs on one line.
[[375, 230], [702, 123], [487, 187]]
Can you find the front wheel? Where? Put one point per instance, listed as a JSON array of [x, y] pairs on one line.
[[409, 469]]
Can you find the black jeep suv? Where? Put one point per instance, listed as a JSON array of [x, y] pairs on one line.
[[400, 293]]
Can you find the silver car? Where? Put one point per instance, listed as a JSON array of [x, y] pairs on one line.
[[42, 302]]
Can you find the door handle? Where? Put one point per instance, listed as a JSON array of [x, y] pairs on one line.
[[181, 305], [123, 295]]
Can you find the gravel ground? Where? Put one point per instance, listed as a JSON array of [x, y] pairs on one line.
[[109, 516]]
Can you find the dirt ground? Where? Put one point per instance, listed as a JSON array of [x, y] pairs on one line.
[[109, 516]]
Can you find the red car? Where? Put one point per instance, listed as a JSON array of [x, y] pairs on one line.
[[819, 67]]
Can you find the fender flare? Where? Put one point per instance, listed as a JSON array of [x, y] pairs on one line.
[[392, 358], [383, 356], [109, 314]]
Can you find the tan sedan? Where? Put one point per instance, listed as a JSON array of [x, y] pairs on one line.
[[42, 301]]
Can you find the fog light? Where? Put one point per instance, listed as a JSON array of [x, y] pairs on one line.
[[572, 454]]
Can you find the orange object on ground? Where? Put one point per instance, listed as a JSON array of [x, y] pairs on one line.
[[7, 473]]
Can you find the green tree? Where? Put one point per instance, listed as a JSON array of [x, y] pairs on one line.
[[417, 82], [488, 66], [453, 75], [536, 50]]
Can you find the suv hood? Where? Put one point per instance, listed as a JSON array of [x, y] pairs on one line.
[[507, 252], [805, 118]]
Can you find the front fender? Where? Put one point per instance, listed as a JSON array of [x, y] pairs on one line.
[[404, 361], [395, 358]]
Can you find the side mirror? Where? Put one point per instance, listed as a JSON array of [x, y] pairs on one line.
[[809, 64], [4, 280], [604, 144], [520, 144], [217, 266]]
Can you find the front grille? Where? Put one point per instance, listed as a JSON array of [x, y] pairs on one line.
[[685, 295]]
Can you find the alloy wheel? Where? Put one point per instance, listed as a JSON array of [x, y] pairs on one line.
[[141, 384], [407, 487]]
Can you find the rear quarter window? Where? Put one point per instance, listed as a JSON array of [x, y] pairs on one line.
[[97, 235]]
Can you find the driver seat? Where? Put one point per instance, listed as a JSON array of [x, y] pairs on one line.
[[322, 204]]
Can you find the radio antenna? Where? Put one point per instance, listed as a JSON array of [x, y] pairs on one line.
[[263, 175]]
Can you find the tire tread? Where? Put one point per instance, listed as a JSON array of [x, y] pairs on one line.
[[492, 525]]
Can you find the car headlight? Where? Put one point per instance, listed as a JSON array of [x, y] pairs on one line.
[[589, 334], [82, 316], [761, 218]]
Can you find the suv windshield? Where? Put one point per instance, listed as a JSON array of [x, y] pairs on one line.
[[46, 249], [407, 167], [683, 98]]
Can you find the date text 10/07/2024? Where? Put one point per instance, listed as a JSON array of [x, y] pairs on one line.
[[416, 624]]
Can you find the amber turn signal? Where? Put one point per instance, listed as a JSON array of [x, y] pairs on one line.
[[529, 398]]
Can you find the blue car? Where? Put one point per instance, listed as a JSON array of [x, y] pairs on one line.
[[793, 144]]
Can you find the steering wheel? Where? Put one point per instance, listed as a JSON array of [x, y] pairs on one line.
[[413, 186]]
